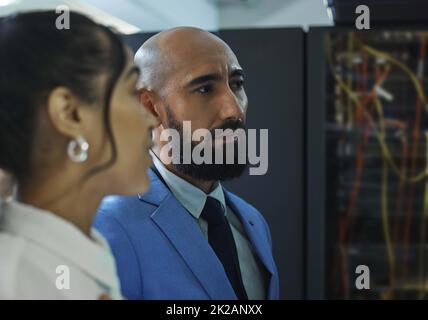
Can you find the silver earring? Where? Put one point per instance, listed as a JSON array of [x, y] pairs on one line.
[[77, 149]]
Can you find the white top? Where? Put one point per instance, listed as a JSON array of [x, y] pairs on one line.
[[43, 256]]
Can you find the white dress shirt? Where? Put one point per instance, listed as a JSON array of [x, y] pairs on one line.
[[193, 199], [43, 256]]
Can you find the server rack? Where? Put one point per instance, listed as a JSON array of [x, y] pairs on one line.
[[367, 165]]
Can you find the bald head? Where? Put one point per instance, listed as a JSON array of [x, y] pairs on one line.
[[166, 52]]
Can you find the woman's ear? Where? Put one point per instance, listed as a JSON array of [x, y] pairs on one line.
[[64, 113]]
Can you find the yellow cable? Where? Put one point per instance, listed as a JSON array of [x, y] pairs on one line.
[[350, 117], [423, 226], [384, 147], [384, 195], [403, 67]]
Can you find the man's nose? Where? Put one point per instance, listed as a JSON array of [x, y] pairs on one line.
[[231, 108]]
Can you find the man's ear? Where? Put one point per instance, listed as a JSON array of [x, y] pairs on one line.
[[63, 111], [148, 100]]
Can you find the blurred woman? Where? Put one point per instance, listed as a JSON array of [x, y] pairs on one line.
[[71, 132]]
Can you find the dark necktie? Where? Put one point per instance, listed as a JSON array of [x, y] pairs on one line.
[[220, 238]]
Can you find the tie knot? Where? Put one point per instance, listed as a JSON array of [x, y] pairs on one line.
[[213, 212]]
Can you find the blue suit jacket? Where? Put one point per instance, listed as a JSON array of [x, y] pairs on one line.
[[161, 252]]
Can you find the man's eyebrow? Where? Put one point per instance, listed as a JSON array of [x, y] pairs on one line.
[[203, 79], [132, 71], [237, 73]]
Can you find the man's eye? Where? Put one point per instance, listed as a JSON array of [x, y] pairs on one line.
[[205, 89], [237, 84]]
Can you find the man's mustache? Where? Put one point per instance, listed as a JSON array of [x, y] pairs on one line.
[[229, 124]]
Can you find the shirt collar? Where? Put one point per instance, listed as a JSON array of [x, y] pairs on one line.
[[192, 198], [91, 255]]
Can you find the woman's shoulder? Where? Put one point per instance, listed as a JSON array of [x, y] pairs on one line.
[[24, 269], [12, 249]]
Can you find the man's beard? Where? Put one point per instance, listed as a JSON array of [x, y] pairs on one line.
[[212, 171]]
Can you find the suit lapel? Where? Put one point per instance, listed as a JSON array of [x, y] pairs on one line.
[[185, 235], [261, 247], [157, 192]]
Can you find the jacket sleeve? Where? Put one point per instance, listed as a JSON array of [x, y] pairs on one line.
[[127, 262]]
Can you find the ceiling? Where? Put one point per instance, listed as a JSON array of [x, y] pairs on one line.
[[130, 16]]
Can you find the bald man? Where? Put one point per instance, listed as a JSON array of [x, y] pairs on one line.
[[188, 237]]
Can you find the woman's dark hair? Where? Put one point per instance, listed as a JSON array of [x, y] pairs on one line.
[[35, 58]]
